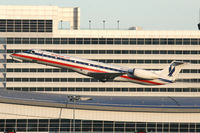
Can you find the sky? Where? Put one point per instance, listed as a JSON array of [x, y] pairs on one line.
[[148, 14]]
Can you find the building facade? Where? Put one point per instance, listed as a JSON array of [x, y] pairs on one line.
[[38, 27]]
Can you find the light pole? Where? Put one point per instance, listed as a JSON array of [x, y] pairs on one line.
[[118, 24], [61, 24], [104, 24], [90, 24], [75, 99]]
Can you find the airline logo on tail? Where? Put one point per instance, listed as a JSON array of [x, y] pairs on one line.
[[171, 70]]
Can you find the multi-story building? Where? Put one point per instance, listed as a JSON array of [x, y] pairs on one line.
[[40, 27]]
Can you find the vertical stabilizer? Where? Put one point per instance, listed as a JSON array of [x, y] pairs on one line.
[[171, 72]]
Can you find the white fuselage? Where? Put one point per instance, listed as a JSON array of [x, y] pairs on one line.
[[84, 66]]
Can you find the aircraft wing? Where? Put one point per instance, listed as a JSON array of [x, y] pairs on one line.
[[105, 76]]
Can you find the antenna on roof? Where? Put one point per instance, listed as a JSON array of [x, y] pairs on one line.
[[199, 20]]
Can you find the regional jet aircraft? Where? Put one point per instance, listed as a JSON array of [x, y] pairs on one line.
[[103, 71]]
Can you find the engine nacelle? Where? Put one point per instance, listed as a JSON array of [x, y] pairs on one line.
[[142, 74]]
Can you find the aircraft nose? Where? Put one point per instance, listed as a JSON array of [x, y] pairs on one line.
[[12, 55]]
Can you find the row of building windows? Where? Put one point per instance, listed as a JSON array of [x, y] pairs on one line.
[[104, 89], [68, 70], [67, 125], [37, 70], [77, 80], [110, 41], [113, 51], [121, 61], [17, 25]]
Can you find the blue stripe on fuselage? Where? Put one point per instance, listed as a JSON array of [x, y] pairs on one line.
[[166, 80]]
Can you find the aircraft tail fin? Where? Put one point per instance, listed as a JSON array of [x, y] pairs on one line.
[[171, 72]]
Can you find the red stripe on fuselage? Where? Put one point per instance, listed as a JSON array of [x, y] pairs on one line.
[[84, 68]]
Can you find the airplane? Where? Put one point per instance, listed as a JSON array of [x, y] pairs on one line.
[[103, 71]]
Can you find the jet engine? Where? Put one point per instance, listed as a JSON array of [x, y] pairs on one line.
[[142, 74]]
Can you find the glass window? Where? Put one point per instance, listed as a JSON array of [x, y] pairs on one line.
[[71, 51], [70, 80], [33, 79], [10, 40], [117, 61], [86, 40], [17, 70], [194, 52], [163, 52], [171, 41], [32, 89], [32, 70], [148, 41], [155, 52], [33, 40], [186, 52], [179, 41], [147, 51], [86, 51], [132, 61], [94, 40], [194, 41], [140, 41], [148, 61], [117, 51], [155, 41], [132, 51], [25, 70], [71, 40], [102, 41], [109, 51], [184, 127], [43, 125], [109, 40], [79, 40], [163, 41], [186, 41], [97, 126], [94, 51], [117, 41], [25, 40], [124, 40], [56, 40], [48, 41], [18, 41], [79, 51], [40, 89], [140, 52], [170, 52], [48, 79], [163, 61], [64, 41], [63, 79], [119, 126], [21, 124], [40, 79], [174, 127], [108, 126], [132, 41], [54, 125], [56, 80], [124, 51], [40, 70]]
